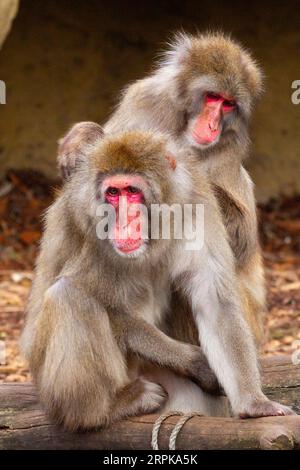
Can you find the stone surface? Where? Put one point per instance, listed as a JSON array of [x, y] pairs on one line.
[[66, 61]]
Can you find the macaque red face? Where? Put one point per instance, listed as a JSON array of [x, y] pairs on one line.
[[207, 127], [126, 195]]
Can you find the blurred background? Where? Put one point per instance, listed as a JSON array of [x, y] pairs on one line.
[[65, 61]]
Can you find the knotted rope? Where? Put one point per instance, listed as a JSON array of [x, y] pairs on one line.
[[176, 430]]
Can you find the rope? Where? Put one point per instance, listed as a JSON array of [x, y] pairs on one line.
[[157, 425], [176, 430]]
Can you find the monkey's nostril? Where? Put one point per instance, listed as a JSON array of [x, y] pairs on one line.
[[213, 128]]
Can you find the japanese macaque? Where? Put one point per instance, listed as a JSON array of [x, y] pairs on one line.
[[201, 94], [97, 304]]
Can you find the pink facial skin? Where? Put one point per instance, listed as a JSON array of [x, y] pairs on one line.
[[208, 124], [121, 190]]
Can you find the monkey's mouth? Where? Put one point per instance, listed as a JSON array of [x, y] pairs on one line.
[[131, 250], [206, 140], [128, 237], [198, 142], [129, 246]]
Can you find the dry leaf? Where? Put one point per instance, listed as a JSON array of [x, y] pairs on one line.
[[291, 286], [29, 237]]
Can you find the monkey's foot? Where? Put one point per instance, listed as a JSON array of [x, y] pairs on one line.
[[153, 397], [259, 409]]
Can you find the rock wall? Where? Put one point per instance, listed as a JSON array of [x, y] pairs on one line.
[[66, 61]]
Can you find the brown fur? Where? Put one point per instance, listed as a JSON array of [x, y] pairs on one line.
[[205, 280], [91, 312], [221, 58], [166, 101], [235, 217], [71, 149]]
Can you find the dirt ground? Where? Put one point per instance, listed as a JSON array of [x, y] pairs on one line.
[[25, 195]]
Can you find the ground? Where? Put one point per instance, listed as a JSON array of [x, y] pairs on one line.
[[25, 195]]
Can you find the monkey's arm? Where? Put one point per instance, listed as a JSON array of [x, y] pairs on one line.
[[239, 217], [154, 346]]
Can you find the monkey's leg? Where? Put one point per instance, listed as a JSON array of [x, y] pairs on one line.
[[139, 397], [80, 372], [183, 394], [228, 344], [153, 345], [210, 283]]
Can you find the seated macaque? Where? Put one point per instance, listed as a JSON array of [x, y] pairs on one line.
[[97, 301]]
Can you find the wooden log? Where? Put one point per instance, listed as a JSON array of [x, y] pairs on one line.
[[23, 424]]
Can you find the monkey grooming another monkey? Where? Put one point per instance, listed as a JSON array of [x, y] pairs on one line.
[[202, 94]]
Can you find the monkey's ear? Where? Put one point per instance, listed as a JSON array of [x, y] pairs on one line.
[[256, 78], [179, 49], [172, 160], [73, 147]]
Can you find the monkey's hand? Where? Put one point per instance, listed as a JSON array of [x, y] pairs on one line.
[[72, 147], [202, 374], [266, 407], [151, 344]]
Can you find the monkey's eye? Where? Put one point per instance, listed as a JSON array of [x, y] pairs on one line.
[[111, 191], [229, 105], [212, 97], [133, 190]]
